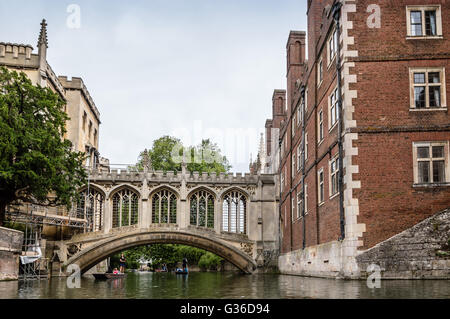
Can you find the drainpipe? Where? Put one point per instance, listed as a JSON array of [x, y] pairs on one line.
[[302, 92], [279, 199], [336, 16]]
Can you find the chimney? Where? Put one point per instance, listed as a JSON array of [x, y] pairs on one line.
[[278, 107], [295, 62]]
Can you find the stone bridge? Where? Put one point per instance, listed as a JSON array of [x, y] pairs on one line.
[[232, 215]]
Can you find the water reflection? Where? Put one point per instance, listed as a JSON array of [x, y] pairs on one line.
[[222, 285]]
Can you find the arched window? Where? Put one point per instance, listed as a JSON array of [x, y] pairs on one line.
[[202, 209], [234, 212], [125, 208], [90, 206], [164, 207]]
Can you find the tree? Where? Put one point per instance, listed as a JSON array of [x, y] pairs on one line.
[[37, 163], [167, 152]]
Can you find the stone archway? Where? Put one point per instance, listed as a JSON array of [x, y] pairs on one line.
[[92, 255]]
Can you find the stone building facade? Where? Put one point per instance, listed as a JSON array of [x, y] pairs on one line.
[[84, 123], [365, 133]]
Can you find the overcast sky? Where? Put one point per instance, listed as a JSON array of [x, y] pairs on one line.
[[195, 69]]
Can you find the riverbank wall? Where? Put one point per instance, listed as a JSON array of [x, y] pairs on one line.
[[421, 252], [10, 250]]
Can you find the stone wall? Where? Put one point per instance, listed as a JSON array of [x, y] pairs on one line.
[[10, 249], [421, 252]]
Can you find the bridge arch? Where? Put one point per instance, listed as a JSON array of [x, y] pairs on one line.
[[92, 255]]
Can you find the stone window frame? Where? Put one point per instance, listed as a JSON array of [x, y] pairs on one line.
[[332, 124], [427, 70], [241, 212], [195, 201], [423, 8], [416, 160], [334, 174], [321, 187]]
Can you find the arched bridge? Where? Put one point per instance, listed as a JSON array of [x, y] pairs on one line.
[[233, 216]]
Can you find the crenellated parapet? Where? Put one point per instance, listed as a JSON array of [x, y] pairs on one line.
[[77, 83]]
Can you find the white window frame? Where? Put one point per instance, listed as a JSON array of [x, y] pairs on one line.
[[442, 84], [332, 124], [306, 101], [320, 133], [292, 208], [319, 72], [293, 157], [299, 157], [305, 196], [332, 47], [437, 8], [321, 185], [306, 146], [335, 160], [416, 160], [293, 126], [299, 204]]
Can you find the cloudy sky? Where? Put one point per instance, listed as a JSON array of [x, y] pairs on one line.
[[192, 68]]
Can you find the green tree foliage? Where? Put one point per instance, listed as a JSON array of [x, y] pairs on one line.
[[35, 159], [167, 152], [167, 254], [209, 261]]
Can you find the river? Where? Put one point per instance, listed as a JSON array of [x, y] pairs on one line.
[[222, 285]]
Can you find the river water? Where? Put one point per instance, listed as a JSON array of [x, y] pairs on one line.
[[222, 285]]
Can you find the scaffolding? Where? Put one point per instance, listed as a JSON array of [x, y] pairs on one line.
[[33, 264]]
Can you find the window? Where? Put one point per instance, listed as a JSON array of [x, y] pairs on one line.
[[293, 164], [293, 126], [430, 162], [299, 157], [202, 209], [90, 206], [282, 178], [234, 212], [334, 177], [299, 204], [306, 99], [320, 127], [293, 208], [320, 178], [164, 207], [306, 146], [332, 46], [298, 115], [84, 121], [306, 199], [334, 110], [424, 21], [427, 88], [319, 72], [125, 208], [89, 129], [95, 137]]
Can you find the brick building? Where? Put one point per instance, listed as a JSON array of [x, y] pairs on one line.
[[364, 130]]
